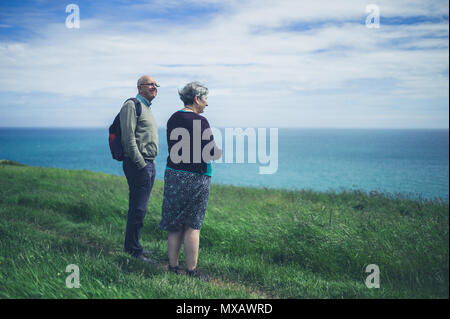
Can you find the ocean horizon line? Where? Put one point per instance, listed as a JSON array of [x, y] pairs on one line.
[[223, 127]]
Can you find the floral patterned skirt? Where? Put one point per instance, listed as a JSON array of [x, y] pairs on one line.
[[185, 200]]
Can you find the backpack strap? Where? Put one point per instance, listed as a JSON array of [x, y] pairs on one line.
[[137, 104]]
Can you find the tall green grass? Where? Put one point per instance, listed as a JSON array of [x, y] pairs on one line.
[[255, 243]]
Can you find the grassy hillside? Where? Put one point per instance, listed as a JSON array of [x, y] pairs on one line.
[[255, 243]]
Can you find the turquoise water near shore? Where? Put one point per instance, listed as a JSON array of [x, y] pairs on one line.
[[411, 162]]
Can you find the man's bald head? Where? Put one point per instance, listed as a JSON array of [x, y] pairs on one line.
[[147, 87], [145, 79]]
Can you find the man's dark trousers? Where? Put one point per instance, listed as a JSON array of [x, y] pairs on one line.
[[140, 183]]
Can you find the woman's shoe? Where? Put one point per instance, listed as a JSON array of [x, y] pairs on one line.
[[175, 270], [197, 274]]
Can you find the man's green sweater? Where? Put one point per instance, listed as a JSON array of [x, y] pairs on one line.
[[139, 135]]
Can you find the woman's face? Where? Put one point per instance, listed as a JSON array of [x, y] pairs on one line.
[[201, 103]]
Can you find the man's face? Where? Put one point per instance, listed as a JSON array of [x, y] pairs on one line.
[[148, 88]]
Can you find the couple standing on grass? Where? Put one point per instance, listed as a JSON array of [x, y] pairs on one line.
[[187, 176]]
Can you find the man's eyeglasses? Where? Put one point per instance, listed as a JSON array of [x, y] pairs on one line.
[[153, 85]]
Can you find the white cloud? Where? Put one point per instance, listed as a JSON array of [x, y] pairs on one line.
[[275, 70]]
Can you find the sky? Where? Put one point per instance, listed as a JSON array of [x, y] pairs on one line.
[[305, 64]]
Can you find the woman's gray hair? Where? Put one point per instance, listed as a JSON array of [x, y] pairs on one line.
[[191, 90]]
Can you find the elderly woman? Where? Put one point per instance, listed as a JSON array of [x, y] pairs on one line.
[[187, 177]]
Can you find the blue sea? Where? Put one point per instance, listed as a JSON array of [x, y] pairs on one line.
[[411, 162]]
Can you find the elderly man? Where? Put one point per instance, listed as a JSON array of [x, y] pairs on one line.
[[140, 145]]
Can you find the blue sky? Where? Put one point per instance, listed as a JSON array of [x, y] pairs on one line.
[[266, 63]]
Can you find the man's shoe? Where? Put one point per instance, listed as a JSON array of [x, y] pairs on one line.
[[147, 252], [197, 274], [146, 259]]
